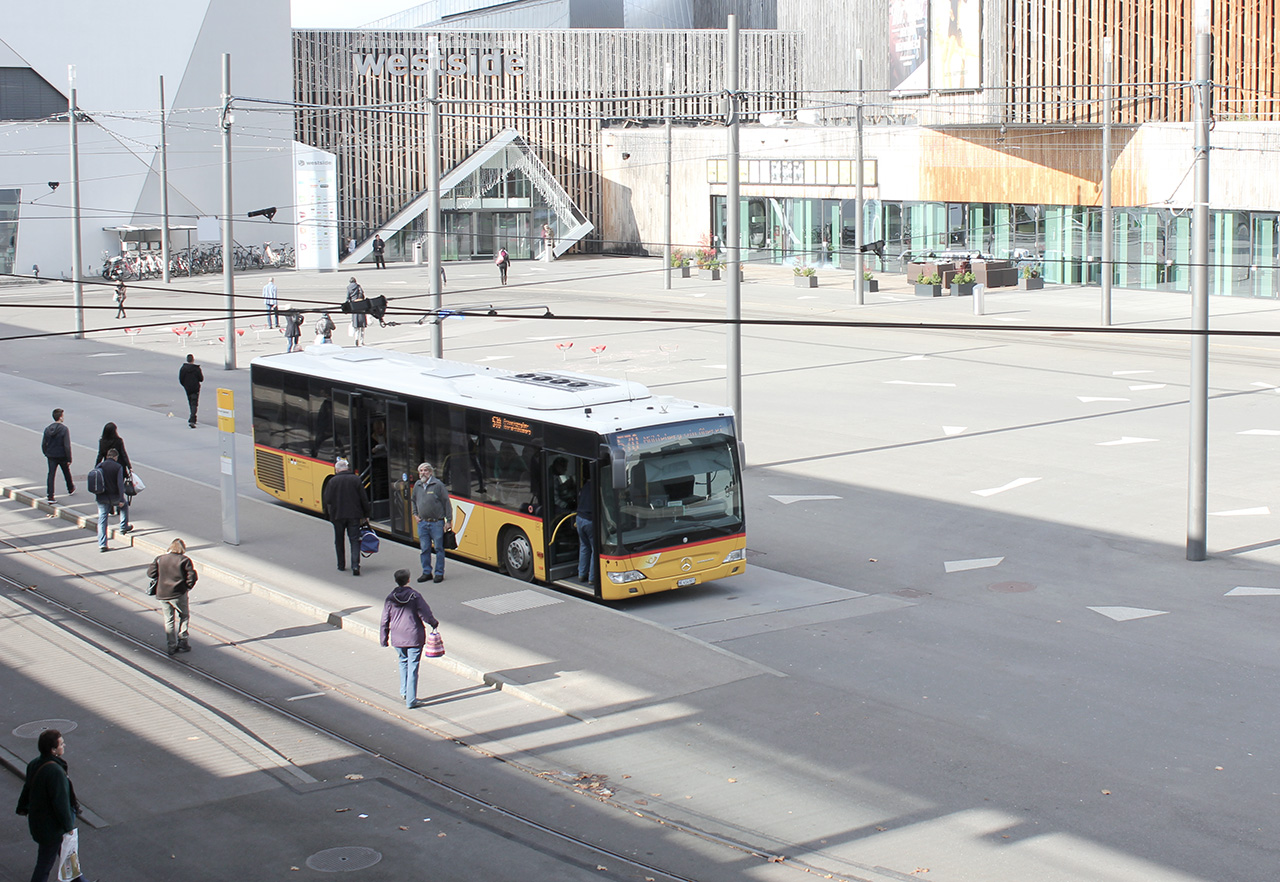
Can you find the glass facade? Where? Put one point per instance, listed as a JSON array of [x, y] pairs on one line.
[[9, 200], [1151, 247]]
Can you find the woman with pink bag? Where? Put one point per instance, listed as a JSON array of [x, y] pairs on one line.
[[404, 618]]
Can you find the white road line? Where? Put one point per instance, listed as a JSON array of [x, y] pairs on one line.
[[104, 354], [118, 373], [977, 563], [1259, 432], [1126, 440], [1129, 373], [916, 358], [1088, 399], [1017, 482], [1246, 591], [306, 695], [1242, 512], [954, 430], [1128, 613], [787, 500], [494, 358], [1146, 387], [910, 383]]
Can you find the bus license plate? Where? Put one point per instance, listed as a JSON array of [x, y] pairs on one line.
[[684, 583]]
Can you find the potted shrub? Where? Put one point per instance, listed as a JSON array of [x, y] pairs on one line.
[[962, 283], [929, 286], [710, 268], [681, 262], [805, 276], [1031, 279], [869, 282]]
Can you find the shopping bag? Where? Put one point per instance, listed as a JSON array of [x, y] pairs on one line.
[[138, 486], [369, 541], [435, 645], [450, 540], [69, 855]]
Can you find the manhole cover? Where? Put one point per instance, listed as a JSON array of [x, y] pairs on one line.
[[1011, 587], [344, 859], [33, 730]]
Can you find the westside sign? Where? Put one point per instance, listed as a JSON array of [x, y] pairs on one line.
[[475, 63]]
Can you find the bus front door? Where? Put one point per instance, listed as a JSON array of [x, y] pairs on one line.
[[564, 475], [380, 455]]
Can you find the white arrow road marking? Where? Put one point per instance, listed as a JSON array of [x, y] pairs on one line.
[[1016, 482], [493, 358], [954, 430], [1259, 432], [787, 500], [715, 367], [1126, 440], [1129, 373], [1246, 591], [1262, 385], [910, 383], [118, 373], [104, 354], [1087, 399], [1146, 387], [1127, 613], [907, 358], [1241, 512], [978, 563], [808, 297], [1009, 318]]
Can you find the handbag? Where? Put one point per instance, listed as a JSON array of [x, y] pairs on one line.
[[450, 540], [69, 856], [369, 541], [435, 645]]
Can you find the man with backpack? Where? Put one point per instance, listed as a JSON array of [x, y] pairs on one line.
[[56, 447], [106, 483]]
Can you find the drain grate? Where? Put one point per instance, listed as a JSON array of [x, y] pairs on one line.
[[33, 729], [513, 602], [343, 859]]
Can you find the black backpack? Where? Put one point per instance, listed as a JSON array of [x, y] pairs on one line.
[[97, 481]]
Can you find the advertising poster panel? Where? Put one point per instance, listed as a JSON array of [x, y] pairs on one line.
[[315, 193], [908, 46], [956, 41]]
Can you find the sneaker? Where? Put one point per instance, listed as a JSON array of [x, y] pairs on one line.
[[184, 647], [355, 571], [342, 569], [172, 650], [128, 529], [50, 500], [425, 577], [71, 489], [102, 548], [437, 578]]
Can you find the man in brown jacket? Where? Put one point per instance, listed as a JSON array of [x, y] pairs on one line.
[[172, 577]]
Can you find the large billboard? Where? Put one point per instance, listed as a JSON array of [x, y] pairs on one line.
[[315, 188], [955, 59], [908, 46]]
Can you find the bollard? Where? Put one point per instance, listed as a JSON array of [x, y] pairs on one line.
[[978, 290]]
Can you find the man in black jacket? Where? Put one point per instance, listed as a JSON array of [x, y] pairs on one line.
[[379, 248], [111, 497], [190, 376], [56, 446], [347, 505]]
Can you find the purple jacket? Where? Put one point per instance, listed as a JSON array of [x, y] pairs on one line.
[[402, 618]]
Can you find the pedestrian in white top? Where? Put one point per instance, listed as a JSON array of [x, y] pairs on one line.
[[271, 301]]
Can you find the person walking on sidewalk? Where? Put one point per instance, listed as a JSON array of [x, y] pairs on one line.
[[379, 247], [112, 497], [292, 330], [433, 513], [271, 300], [503, 260], [359, 320], [119, 298], [190, 376], [56, 447], [347, 506], [111, 440], [403, 618], [325, 328], [172, 576], [49, 802]]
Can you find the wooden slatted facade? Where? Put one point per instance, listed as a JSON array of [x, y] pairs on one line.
[[573, 80]]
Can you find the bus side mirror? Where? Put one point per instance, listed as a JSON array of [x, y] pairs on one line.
[[617, 460]]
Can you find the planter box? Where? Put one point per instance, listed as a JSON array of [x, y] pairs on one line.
[[683, 270], [928, 290], [1036, 284], [962, 289], [870, 285], [805, 281], [712, 274]]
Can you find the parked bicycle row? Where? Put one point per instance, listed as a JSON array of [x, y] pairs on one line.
[[135, 265]]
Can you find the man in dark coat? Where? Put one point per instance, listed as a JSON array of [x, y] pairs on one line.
[[111, 497], [347, 505], [378, 248], [49, 802], [190, 376], [403, 615], [56, 446], [173, 575]]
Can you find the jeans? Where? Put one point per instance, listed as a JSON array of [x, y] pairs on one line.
[[588, 560], [104, 511], [54, 465], [351, 528], [193, 401], [431, 537], [273, 316], [410, 656], [46, 860], [177, 616]]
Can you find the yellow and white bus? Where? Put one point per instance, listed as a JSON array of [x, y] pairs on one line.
[[513, 449]]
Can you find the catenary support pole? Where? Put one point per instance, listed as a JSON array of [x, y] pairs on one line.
[[666, 192], [77, 268], [434, 230], [1108, 216], [860, 258], [228, 240], [733, 253], [164, 188], [1198, 467]]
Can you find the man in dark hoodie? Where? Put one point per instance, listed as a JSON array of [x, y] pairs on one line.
[[403, 616], [190, 376]]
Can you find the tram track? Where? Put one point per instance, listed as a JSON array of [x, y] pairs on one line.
[[517, 817]]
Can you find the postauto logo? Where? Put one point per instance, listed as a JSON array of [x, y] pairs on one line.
[[403, 64]]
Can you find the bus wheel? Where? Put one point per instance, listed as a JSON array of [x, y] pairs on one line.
[[516, 554]]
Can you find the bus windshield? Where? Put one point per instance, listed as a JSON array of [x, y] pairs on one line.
[[681, 485]]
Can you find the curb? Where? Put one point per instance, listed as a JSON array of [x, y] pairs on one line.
[[283, 598]]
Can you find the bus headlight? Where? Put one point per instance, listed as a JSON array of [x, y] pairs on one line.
[[626, 576], [736, 554]]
